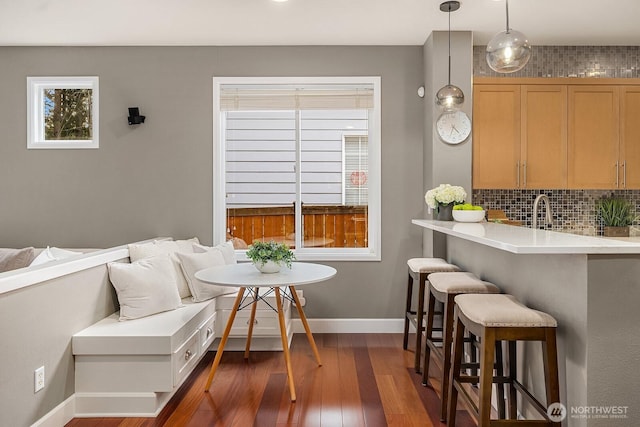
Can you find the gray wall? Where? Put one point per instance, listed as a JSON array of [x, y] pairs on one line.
[[443, 163], [36, 326], [155, 179]]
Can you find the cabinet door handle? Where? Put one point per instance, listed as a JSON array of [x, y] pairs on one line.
[[524, 175], [209, 332], [617, 176], [517, 174], [624, 174]]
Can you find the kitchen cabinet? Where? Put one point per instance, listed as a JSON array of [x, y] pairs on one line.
[[554, 133], [544, 136], [630, 137], [593, 137], [519, 136], [496, 136]]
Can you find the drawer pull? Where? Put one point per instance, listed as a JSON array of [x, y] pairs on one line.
[[255, 321], [209, 332], [187, 355]]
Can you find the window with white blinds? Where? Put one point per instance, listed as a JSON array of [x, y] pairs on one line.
[[356, 171], [298, 161]]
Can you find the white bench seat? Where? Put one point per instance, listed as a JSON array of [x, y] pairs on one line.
[[134, 367]]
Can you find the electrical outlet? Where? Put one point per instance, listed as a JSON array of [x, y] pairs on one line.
[[38, 379]]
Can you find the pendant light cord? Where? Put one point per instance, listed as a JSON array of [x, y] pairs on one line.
[[507, 9], [449, 79]]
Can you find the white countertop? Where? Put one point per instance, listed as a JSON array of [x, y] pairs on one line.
[[522, 240]]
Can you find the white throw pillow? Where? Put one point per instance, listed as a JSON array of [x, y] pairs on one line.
[[145, 287], [12, 259], [192, 263], [53, 254], [162, 247], [226, 248], [186, 246]]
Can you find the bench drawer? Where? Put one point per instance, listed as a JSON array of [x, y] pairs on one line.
[[207, 333], [185, 357], [265, 325]]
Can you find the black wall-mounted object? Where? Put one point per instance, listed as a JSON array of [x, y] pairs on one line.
[[134, 116]]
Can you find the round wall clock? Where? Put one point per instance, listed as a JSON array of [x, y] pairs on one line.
[[453, 127]]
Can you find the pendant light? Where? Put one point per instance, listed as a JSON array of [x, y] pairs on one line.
[[449, 97], [508, 51]]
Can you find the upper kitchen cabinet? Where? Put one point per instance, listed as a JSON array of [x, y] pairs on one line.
[[630, 137], [544, 136], [496, 136], [519, 136], [549, 133], [593, 136]]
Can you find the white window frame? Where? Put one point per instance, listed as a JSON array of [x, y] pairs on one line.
[[370, 253], [35, 111]]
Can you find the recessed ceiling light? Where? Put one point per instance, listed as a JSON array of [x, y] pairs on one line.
[[280, 1]]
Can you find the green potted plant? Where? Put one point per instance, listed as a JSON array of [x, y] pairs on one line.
[[617, 215], [269, 257]]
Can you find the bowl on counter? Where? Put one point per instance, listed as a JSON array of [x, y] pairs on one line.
[[468, 216]]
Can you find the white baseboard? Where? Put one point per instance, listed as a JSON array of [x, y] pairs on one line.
[[350, 326], [60, 415]]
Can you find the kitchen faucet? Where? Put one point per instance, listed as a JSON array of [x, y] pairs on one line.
[[536, 203]]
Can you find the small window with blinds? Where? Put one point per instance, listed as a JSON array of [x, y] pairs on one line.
[[356, 172], [297, 162]]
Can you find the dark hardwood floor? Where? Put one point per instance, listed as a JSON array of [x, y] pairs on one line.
[[366, 380]]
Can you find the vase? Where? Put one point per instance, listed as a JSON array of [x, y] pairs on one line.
[[445, 212], [268, 267], [616, 231]]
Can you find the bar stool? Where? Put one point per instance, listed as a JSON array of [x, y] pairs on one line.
[[444, 287], [419, 271], [494, 318]]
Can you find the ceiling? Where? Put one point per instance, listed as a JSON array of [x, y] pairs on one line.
[[309, 22]]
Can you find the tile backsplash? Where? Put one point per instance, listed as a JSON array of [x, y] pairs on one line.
[[573, 210], [570, 61]]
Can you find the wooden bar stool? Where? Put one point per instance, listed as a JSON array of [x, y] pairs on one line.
[[444, 287], [419, 271], [494, 318]]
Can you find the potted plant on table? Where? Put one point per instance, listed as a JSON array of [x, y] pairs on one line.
[[269, 257], [617, 215], [443, 198]]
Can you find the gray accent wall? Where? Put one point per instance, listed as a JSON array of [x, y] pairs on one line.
[[155, 179], [444, 163], [36, 326]]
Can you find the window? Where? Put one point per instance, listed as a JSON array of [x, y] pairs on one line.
[[62, 112], [356, 173], [298, 161]]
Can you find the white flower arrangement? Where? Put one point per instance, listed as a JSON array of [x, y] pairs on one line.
[[445, 194]]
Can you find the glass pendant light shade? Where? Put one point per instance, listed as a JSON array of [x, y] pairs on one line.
[[450, 97], [508, 51]]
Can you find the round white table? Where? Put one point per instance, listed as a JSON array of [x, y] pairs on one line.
[[245, 276]]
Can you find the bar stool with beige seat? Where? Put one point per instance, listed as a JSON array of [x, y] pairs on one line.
[[444, 287], [500, 317], [419, 271]]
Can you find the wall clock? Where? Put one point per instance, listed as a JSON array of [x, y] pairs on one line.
[[453, 127]]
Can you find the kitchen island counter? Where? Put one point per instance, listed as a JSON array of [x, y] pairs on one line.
[[591, 285], [522, 240]]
